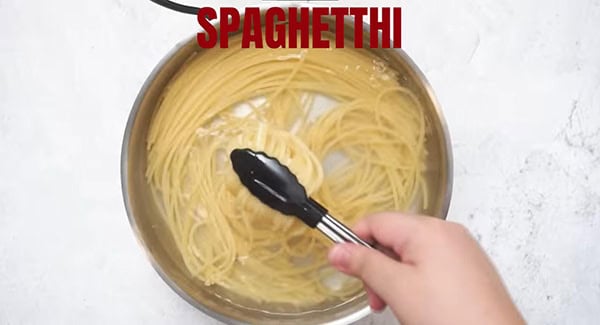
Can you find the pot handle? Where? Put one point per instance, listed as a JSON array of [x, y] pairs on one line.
[[177, 6]]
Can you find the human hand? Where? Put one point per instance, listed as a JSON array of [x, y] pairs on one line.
[[439, 274]]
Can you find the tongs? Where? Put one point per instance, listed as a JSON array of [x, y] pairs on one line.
[[276, 186]]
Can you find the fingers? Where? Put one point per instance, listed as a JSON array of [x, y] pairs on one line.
[[384, 277], [394, 230], [377, 304]]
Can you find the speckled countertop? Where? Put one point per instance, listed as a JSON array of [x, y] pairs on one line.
[[519, 82]]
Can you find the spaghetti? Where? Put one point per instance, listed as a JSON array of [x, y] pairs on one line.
[[363, 153]]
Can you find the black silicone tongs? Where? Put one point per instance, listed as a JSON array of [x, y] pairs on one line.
[[276, 186]]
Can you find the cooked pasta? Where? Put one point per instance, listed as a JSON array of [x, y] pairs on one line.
[[337, 117]]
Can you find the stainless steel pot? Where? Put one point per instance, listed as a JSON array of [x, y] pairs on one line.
[[155, 238]]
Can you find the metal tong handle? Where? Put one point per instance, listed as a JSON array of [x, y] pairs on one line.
[[338, 233]]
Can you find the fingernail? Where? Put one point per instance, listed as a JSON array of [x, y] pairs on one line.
[[340, 256]]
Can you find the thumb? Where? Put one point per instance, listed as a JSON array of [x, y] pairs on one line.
[[388, 278]]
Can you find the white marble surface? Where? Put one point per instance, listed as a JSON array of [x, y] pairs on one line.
[[519, 82]]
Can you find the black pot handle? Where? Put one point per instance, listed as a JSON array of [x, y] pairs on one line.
[[177, 6]]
